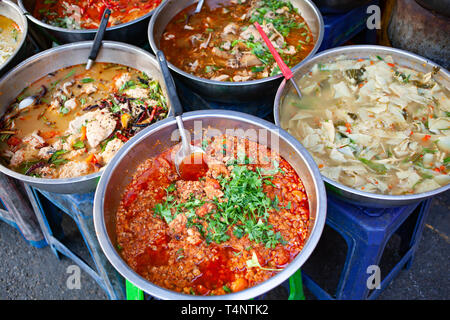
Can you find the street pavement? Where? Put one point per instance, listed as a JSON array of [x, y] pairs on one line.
[[30, 273]]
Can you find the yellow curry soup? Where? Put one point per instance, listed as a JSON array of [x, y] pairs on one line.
[[79, 120]]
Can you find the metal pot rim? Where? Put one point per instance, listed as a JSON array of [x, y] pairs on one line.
[[333, 53], [66, 47], [80, 31], [162, 293], [242, 83], [24, 32]]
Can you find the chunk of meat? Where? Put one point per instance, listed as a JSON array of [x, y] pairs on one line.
[[137, 93], [221, 54], [121, 80], [251, 33], [221, 77], [205, 209], [249, 60], [73, 169], [89, 88], [46, 152], [212, 189], [111, 149], [178, 225], [71, 104], [231, 28], [100, 128], [17, 158], [34, 140], [99, 125]]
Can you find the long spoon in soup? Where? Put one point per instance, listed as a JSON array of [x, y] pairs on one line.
[[189, 160], [285, 70]]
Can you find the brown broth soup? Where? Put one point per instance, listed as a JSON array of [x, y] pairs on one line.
[[87, 14], [373, 125], [79, 120], [236, 226], [221, 43]]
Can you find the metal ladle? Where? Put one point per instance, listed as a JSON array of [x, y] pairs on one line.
[[186, 150]]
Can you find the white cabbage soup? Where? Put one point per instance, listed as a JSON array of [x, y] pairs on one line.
[[373, 125]]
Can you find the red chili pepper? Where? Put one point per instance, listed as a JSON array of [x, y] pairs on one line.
[[426, 137], [13, 141], [152, 115], [391, 65], [121, 137]]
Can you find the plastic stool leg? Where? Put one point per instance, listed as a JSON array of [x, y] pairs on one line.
[[296, 286], [133, 292]]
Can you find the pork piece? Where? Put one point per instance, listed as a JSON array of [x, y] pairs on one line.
[[111, 149], [137, 93], [34, 140], [178, 225], [17, 158], [73, 169], [46, 152], [251, 33], [231, 28], [221, 54], [99, 125], [221, 77], [122, 79], [71, 104], [194, 236], [249, 60], [205, 209], [212, 189], [89, 88]]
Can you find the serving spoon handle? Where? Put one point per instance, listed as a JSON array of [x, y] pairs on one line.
[[98, 38], [175, 103]]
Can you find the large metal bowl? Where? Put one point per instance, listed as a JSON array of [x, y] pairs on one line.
[[401, 57], [38, 66], [150, 143], [230, 92], [13, 12], [129, 32]]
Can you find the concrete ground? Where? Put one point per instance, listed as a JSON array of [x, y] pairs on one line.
[[30, 273]]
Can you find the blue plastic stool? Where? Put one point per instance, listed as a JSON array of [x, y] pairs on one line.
[[341, 27], [79, 208], [366, 233]]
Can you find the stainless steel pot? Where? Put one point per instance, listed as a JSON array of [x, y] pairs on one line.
[[13, 12], [230, 92], [150, 143], [38, 66], [129, 32], [404, 58]]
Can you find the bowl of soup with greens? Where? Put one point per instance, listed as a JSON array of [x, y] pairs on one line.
[[70, 20], [375, 122], [219, 53], [76, 119]]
